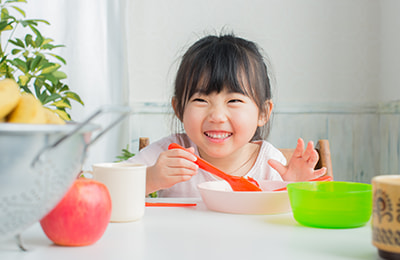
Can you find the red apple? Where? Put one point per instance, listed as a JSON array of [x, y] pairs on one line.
[[81, 217]]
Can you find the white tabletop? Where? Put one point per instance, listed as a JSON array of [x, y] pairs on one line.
[[197, 233]]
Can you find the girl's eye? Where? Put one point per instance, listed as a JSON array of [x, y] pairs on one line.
[[235, 101], [198, 100]]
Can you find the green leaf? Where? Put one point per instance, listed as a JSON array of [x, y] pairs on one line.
[[153, 195], [38, 83], [29, 40], [26, 89], [15, 51], [59, 58], [48, 89], [26, 23], [62, 114], [3, 25], [18, 43], [39, 40], [3, 70], [66, 100], [49, 46], [20, 64], [24, 79], [40, 21], [64, 88], [7, 28], [52, 99], [61, 104], [4, 14], [54, 81], [125, 155], [46, 41], [74, 96], [33, 22], [16, 1], [59, 75], [35, 62], [49, 69], [39, 93], [22, 12], [3, 59]]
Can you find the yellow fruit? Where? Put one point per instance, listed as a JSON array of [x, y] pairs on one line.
[[9, 96], [29, 110], [53, 118]]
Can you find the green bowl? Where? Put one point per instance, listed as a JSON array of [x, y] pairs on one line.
[[331, 204]]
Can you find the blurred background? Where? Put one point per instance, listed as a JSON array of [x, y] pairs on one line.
[[334, 64]]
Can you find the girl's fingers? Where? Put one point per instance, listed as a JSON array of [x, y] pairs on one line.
[[191, 149], [182, 163], [320, 172], [279, 167], [310, 154], [298, 152], [187, 154], [184, 168], [314, 157]]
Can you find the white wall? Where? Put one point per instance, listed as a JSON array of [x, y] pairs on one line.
[[389, 52], [328, 49], [335, 63]]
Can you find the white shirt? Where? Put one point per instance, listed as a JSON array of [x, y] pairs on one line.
[[260, 170]]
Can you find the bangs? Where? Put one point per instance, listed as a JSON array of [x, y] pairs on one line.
[[222, 67]]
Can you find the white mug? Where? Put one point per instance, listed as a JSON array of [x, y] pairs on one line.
[[126, 183]]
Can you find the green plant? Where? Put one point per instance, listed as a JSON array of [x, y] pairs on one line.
[[30, 60], [125, 155]]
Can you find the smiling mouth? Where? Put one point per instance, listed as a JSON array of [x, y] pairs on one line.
[[217, 135]]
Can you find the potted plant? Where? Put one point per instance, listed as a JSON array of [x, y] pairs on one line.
[[31, 61]]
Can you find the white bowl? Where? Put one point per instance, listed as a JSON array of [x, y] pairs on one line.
[[218, 196]]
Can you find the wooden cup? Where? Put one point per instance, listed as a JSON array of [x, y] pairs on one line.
[[386, 215]]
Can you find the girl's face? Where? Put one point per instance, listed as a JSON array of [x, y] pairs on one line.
[[222, 123]]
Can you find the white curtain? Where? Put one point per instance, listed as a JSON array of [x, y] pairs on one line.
[[93, 33]]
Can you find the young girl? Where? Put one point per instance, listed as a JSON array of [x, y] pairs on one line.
[[223, 99]]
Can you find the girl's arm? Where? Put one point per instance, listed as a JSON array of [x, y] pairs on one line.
[[301, 165]]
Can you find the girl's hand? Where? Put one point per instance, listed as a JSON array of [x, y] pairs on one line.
[[171, 167], [301, 165]]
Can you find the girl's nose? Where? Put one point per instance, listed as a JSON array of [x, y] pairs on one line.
[[217, 114]]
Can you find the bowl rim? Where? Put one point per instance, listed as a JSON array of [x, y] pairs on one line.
[[303, 186], [387, 179], [200, 186]]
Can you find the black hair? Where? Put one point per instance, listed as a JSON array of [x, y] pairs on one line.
[[215, 63]]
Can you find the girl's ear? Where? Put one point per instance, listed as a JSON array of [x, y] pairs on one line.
[[173, 103], [265, 115]]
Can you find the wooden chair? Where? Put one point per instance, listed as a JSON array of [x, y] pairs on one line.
[[322, 148]]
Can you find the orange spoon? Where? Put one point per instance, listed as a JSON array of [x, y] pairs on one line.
[[238, 183]]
